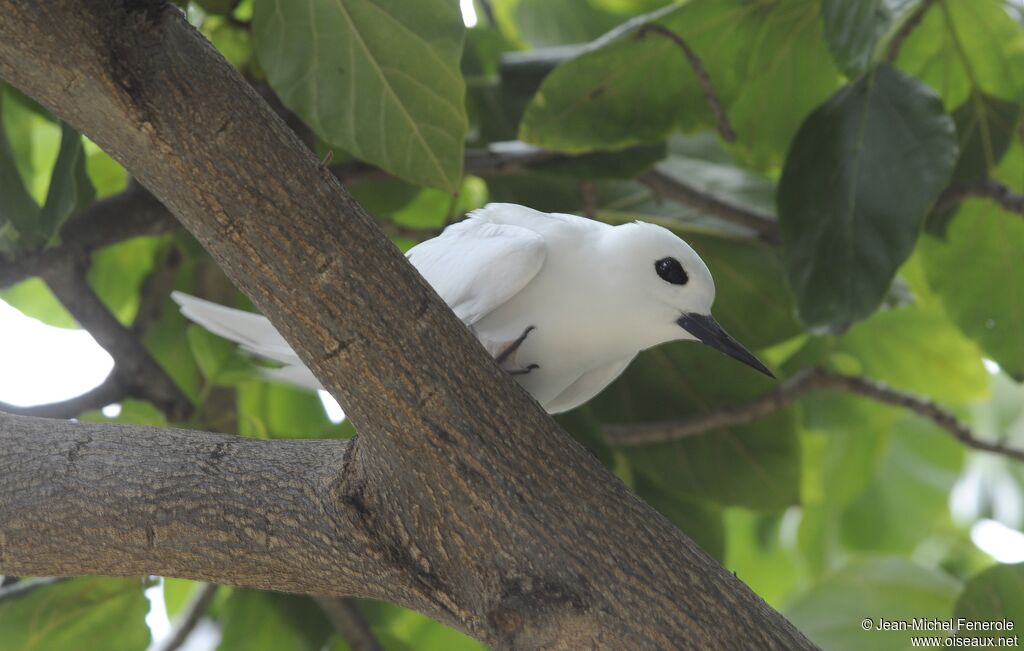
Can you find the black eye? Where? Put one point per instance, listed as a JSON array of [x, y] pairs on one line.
[[671, 271]]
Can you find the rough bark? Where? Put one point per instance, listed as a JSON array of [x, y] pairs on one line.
[[460, 498]]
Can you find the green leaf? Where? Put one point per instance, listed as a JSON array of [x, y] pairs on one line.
[[218, 358], [977, 272], [400, 630], [992, 595], [984, 127], [70, 186], [915, 349], [16, 204], [908, 497], [628, 89], [133, 412], [862, 173], [853, 29], [266, 621], [962, 45], [78, 615], [756, 465], [118, 271], [543, 23], [754, 553], [280, 411], [167, 342], [831, 613], [378, 78]]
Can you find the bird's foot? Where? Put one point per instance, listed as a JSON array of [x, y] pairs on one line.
[[513, 347], [523, 371]]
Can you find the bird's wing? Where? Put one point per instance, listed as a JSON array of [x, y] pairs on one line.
[[253, 332], [587, 386], [479, 264]]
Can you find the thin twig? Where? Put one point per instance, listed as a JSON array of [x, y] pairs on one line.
[[136, 370], [788, 392], [111, 390], [986, 189], [908, 26], [350, 623], [710, 96], [671, 188], [193, 613]]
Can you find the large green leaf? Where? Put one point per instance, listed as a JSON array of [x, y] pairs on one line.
[[16, 204], [756, 465], [984, 127], [916, 349], [265, 621], [378, 78], [630, 88], [993, 595], [908, 497], [965, 44], [861, 174], [833, 611], [853, 29], [117, 274], [77, 615], [275, 410], [70, 186], [978, 273]]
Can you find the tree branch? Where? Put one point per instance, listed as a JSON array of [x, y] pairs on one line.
[[908, 26], [132, 213], [193, 613], [94, 498], [983, 189], [795, 388], [350, 623], [462, 499], [703, 78], [663, 185], [135, 370], [109, 391]]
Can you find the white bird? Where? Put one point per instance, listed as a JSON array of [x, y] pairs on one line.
[[562, 303]]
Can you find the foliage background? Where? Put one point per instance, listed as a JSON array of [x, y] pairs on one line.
[[871, 134]]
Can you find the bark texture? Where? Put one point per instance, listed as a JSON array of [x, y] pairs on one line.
[[460, 498]]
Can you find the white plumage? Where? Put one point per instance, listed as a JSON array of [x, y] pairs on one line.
[[563, 302]]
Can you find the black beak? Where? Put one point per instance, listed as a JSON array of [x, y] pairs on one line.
[[708, 332]]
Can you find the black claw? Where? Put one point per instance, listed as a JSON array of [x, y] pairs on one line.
[[524, 371], [513, 347]]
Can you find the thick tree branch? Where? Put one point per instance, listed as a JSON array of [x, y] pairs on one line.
[[91, 498], [190, 617], [796, 387], [350, 623], [460, 498], [703, 78]]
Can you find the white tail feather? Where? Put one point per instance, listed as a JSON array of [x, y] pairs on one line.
[[254, 333]]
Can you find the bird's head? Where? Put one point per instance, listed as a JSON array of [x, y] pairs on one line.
[[673, 286]]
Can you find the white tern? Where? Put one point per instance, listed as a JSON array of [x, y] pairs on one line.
[[561, 302]]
